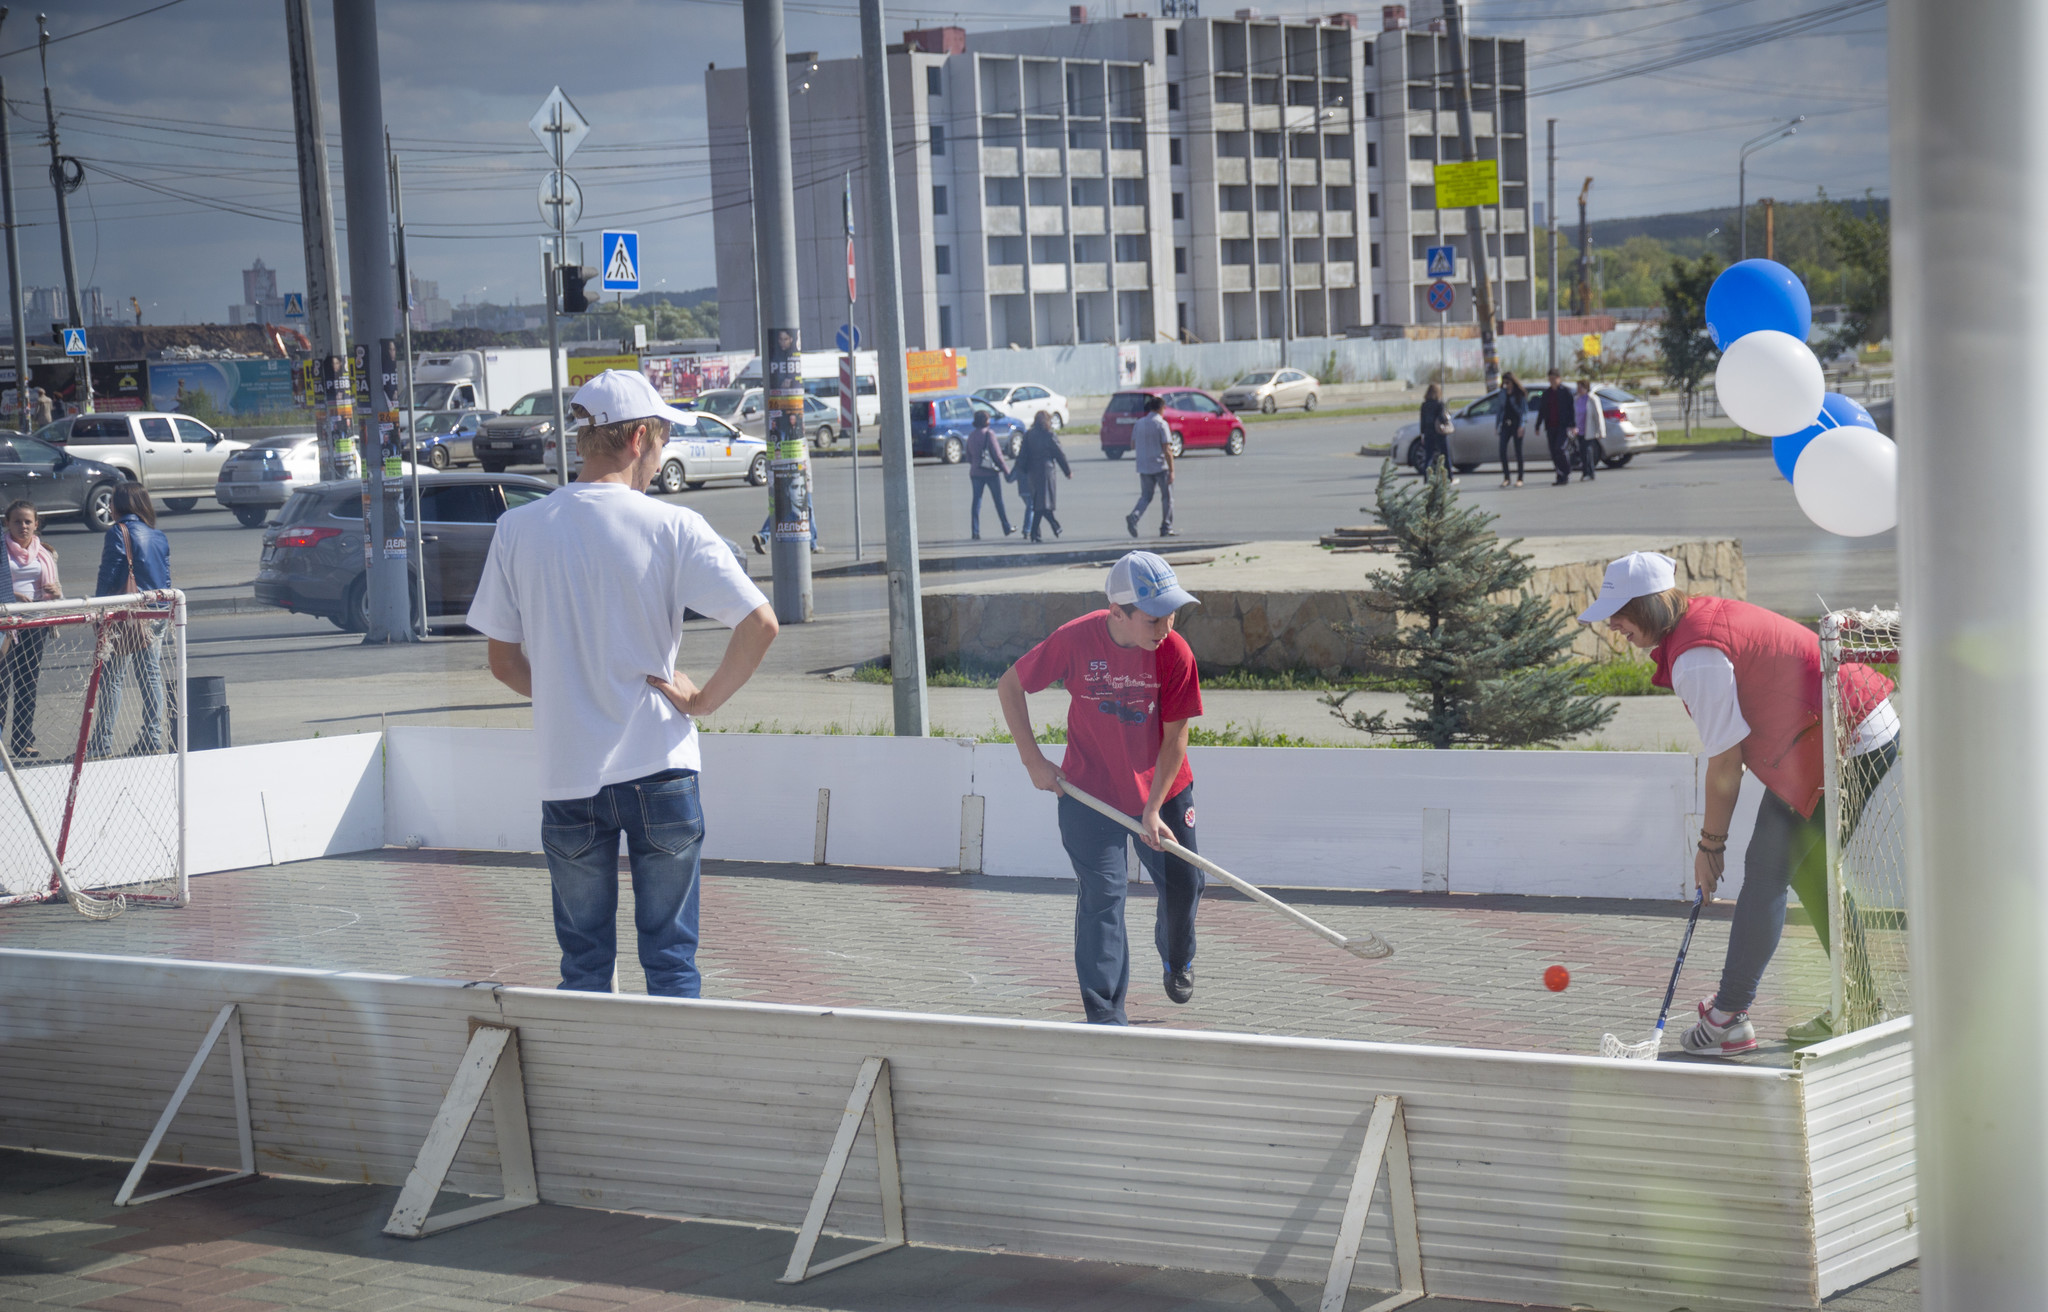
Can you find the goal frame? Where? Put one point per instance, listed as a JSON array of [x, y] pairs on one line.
[[103, 614], [1838, 647]]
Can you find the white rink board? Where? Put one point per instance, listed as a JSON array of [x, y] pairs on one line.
[[1554, 1179]]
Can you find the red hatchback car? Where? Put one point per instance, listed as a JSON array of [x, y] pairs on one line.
[[1195, 418]]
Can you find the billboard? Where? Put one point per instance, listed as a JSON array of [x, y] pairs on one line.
[[932, 371], [583, 368], [223, 387]]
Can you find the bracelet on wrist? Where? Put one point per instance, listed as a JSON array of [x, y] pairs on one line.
[[1718, 838], [1715, 851]]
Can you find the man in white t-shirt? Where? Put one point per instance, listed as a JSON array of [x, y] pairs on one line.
[[582, 599]]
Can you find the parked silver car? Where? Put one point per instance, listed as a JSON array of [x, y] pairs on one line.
[[1270, 389], [1475, 440]]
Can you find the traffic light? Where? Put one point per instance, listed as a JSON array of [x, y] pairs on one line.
[[574, 279]]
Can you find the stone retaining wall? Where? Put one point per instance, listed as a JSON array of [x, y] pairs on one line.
[[1271, 630]]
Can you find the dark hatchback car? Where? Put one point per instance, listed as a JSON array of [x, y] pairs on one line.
[[313, 557], [61, 485], [939, 426]]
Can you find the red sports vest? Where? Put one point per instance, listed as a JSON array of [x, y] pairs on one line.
[[1777, 687]]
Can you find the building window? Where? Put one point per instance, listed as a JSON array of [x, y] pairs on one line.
[[1372, 204], [1375, 307], [1132, 250], [1172, 41], [946, 321], [942, 259], [934, 87], [938, 140], [1178, 207], [1173, 95], [1372, 154], [938, 200], [1375, 255], [1180, 259], [1368, 53], [1370, 112], [1173, 150]]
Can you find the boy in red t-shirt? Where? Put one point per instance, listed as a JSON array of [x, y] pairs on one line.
[[1134, 688]]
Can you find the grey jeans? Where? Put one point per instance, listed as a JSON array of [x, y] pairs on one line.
[[1162, 484]]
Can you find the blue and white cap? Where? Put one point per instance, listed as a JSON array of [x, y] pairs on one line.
[[1638, 574], [1144, 580]]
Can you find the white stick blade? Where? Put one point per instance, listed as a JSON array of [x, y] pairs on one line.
[[1368, 945], [1618, 1050]]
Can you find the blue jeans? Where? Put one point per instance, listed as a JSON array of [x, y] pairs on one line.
[[149, 670], [663, 822], [994, 487], [1147, 485], [1102, 953]]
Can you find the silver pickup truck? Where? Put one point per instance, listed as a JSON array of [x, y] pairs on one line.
[[177, 458]]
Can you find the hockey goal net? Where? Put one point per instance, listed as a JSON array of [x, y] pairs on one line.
[[92, 740], [1866, 840]]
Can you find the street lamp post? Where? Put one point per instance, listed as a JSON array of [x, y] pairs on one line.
[[1751, 147]]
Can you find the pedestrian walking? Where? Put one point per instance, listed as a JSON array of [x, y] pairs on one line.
[[32, 572], [1152, 442], [1750, 680], [1592, 425], [1554, 416], [1514, 406], [1434, 430], [986, 469], [582, 600], [1036, 460], [45, 411], [135, 557], [1132, 688]]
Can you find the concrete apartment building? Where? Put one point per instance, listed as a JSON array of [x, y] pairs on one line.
[[1140, 179]]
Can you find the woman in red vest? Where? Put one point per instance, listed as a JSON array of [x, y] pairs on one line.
[[1750, 679]]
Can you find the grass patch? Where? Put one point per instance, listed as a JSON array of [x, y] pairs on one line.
[[1620, 679], [1729, 436], [1609, 679]]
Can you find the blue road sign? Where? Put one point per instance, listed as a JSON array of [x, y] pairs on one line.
[[74, 341], [1442, 262], [847, 338], [621, 268], [294, 305], [1440, 296]]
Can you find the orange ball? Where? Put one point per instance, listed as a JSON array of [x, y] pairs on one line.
[[1556, 979]]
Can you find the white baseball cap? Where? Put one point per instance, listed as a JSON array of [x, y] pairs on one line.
[[1638, 574], [619, 396], [1146, 581]]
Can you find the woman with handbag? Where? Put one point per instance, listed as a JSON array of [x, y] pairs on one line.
[[136, 558], [32, 570], [1434, 430], [1035, 461], [1514, 406]]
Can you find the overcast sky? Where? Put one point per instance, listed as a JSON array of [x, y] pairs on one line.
[[183, 119]]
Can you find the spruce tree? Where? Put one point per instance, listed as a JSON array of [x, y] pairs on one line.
[[1490, 672]]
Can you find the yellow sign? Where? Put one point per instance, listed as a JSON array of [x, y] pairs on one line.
[[1470, 182], [583, 368], [932, 371], [1589, 345]]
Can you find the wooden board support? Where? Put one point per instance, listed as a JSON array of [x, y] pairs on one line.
[[870, 1091], [1386, 1139], [228, 1021], [491, 1063]]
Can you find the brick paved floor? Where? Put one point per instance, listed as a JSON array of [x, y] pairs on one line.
[[1467, 970], [275, 1243]]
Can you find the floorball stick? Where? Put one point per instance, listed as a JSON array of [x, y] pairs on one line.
[[1368, 945], [1647, 1050]]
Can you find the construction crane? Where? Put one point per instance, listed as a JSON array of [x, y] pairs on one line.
[[1582, 286]]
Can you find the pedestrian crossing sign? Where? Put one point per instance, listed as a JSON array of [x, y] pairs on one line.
[[74, 341], [294, 305], [621, 270], [1443, 262]]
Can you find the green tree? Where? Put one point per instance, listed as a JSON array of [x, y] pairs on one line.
[[1863, 245], [1689, 354], [1491, 672]]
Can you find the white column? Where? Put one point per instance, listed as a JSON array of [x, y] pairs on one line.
[[1970, 287]]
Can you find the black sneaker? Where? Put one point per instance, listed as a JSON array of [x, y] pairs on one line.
[[1180, 985], [1131, 523]]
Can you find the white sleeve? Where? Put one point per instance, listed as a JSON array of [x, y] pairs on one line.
[[1704, 680], [494, 611], [709, 579]]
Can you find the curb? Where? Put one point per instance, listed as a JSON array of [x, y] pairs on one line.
[[1106, 554], [244, 605]]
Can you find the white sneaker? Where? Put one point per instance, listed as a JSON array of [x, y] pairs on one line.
[[1732, 1039]]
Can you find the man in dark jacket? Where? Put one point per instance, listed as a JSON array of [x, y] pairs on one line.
[[1554, 416]]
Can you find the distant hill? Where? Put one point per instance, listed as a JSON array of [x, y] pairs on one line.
[[688, 300], [1687, 233]]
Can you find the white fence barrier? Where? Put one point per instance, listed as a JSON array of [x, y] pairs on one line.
[[1556, 1180]]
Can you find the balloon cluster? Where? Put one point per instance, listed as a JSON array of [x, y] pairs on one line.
[[1843, 471]]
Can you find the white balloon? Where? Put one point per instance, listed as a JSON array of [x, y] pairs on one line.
[[1770, 383], [1847, 481]]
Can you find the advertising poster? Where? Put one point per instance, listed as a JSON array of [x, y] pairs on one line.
[[583, 368], [791, 495], [932, 371], [664, 377], [120, 385], [221, 388], [1127, 364]]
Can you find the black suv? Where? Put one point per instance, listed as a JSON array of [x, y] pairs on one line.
[[313, 556]]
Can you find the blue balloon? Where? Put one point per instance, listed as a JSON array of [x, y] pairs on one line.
[[1836, 411], [1754, 295]]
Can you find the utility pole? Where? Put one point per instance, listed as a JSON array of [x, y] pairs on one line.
[[1750, 147], [899, 494], [1582, 286], [361, 87], [1550, 233], [551, 270], [1770, 228], [13, 261], [65, 176], [782, 379], [323, 268], [409, 442], [1475, 219]]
